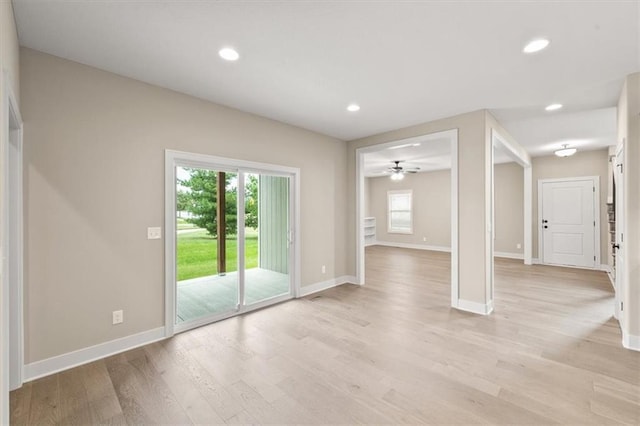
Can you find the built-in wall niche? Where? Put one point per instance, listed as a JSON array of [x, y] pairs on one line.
[[369, 231]]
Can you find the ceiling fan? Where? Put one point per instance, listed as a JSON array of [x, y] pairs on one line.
[[398, 172]]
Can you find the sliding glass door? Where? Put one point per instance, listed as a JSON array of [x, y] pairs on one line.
[[232, 240]]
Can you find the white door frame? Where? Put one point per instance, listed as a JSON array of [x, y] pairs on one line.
[[620, 272], [12, 329], [596, 217], [360, 243], [187, 159]]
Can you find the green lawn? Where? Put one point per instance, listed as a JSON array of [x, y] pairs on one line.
[[197, 253], [183, 224]]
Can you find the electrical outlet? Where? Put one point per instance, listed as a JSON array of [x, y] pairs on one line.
[[324, 269], [118, 317], [518, 246], [154, 233]]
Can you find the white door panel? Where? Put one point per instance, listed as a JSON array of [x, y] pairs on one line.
[[565, 243], [568, 223]]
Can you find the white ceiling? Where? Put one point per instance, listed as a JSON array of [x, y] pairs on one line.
[[430, 155], [427, 153], [403, 62]]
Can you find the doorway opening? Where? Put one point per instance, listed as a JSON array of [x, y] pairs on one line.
[[231, 244], [511, 206], [407, 197]]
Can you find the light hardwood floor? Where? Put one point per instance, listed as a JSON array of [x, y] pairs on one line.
[[389, 352]]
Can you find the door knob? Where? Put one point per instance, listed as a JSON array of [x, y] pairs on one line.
[[545, 227], [544, 221]]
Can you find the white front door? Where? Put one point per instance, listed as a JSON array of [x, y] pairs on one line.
[[568, 222]]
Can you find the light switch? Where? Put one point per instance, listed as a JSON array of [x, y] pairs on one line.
[[154, 233]]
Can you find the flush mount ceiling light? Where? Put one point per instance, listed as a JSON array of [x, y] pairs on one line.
[[553, 107], [536, 45], [229, 54], [565, 152], [353, 108]]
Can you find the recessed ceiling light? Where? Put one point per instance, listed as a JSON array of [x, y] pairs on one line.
[[553, 107], [536, 45], [353, 108], [229, 54]]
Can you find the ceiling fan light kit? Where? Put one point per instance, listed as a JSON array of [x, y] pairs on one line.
[[398, 172]]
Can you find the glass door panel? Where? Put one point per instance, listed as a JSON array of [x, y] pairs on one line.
[[266, 241], [206, 243]]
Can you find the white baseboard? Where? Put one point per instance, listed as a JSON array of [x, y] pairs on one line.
[[630, 341], [605, 268], [475, 307], [602, 267], [323, 285], [55, 364], [69, 360], [612, 279], [445, 249], [507, 255], [414, 246]]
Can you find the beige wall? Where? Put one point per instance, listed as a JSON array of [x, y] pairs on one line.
[[509, 208], [367, 197], [9, 64], [431, 208], [473, 161], [629, 130], [583, 163], [94, 159]]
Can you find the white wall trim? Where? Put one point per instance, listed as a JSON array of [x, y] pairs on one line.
[[324, 285], [475, 307], [489, 212], [413, 246], [630, 341], [501, 254], [613, 284], [12, 262], [69, 360], [528, 215], [601, 267], [506, 255], [604, 267], [455, 223]]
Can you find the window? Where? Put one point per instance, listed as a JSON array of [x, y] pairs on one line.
[[399, 212]]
